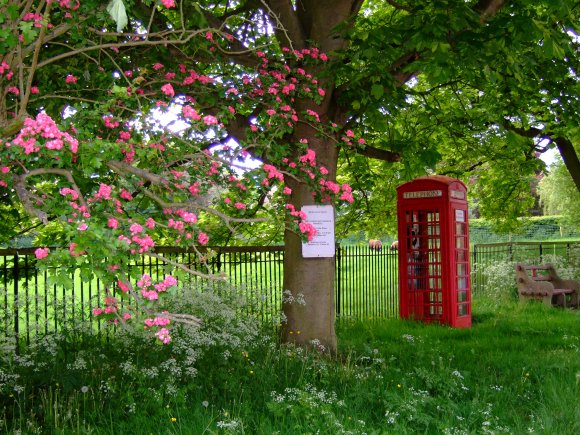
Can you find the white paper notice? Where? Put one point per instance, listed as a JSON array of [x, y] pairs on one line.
[[323, 243]]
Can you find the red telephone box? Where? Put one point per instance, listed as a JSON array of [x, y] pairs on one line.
[[434, 280]]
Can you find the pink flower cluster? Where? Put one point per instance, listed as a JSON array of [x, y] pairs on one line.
[[150, 291], [41, 253], [307, 229], [44, 127], [156, 321], [272, 172], [110, 307]]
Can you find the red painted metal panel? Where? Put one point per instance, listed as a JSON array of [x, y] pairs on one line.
[[434, 281]]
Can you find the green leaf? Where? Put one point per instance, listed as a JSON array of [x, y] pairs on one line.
[[116, 9], [377, 91]]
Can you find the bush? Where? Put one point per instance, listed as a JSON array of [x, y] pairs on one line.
[[62, 376]]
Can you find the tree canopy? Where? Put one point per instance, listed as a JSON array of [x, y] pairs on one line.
[[127, 121]]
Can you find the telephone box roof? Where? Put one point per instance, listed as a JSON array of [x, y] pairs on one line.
[[436, 179]]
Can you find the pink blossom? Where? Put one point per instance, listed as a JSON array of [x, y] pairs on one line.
[[125, 194], [177, 225], [122, 286], [169, 281], [14, 90], [5, 169], [321, 92], [210, 120], [168, 89], [126, 316], [309, 157], [73, 193], [150, 223], [104, 192], [109, 123], [34, 90], [145, 243], [97, 311], [145, 281], [41, 253], [71, 79], [149, 323], [135, 228], [161, 321], [308, 229], [72, 250], [272, 172], [323, 170], [190, 112], [323, 57], [157, 66], [346, 196], [188, 217], [151, 295], [287, 191], [333, 187], [350, 133], [240, 206], [312, 113], [194, 189], [163, 335], [113, 223], [82, 227], [202, 238]]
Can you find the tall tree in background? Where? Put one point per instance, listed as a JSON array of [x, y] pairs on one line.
[[469, 83]]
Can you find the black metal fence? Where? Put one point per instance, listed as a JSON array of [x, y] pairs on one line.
[[366, 284], [562, 254]]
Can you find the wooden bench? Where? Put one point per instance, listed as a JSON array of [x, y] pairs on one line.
[[541, 282]]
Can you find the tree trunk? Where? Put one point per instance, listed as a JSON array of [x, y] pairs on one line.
[[308, 293], [570, 159], [309, 282]]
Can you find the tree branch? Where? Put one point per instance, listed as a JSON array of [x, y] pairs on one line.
[[289, 30], [379, 154]]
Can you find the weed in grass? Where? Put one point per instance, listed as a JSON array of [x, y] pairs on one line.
[[516, 371]]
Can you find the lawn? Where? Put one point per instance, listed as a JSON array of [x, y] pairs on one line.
[[517, 370]]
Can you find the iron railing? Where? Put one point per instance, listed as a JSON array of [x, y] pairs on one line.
[[366, 284], [563, 254]]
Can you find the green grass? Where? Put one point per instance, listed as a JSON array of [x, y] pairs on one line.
[[517, 370]]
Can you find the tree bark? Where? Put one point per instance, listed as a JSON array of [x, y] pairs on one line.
[[570, 159], [308, 293]]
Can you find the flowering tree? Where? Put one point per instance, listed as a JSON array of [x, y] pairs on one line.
[[130, 123]]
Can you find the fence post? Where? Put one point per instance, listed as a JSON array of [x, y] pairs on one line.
[[16, 279], [338, 279], [474, 266]]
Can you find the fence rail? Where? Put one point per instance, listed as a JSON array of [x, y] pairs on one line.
[[366, 284]]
